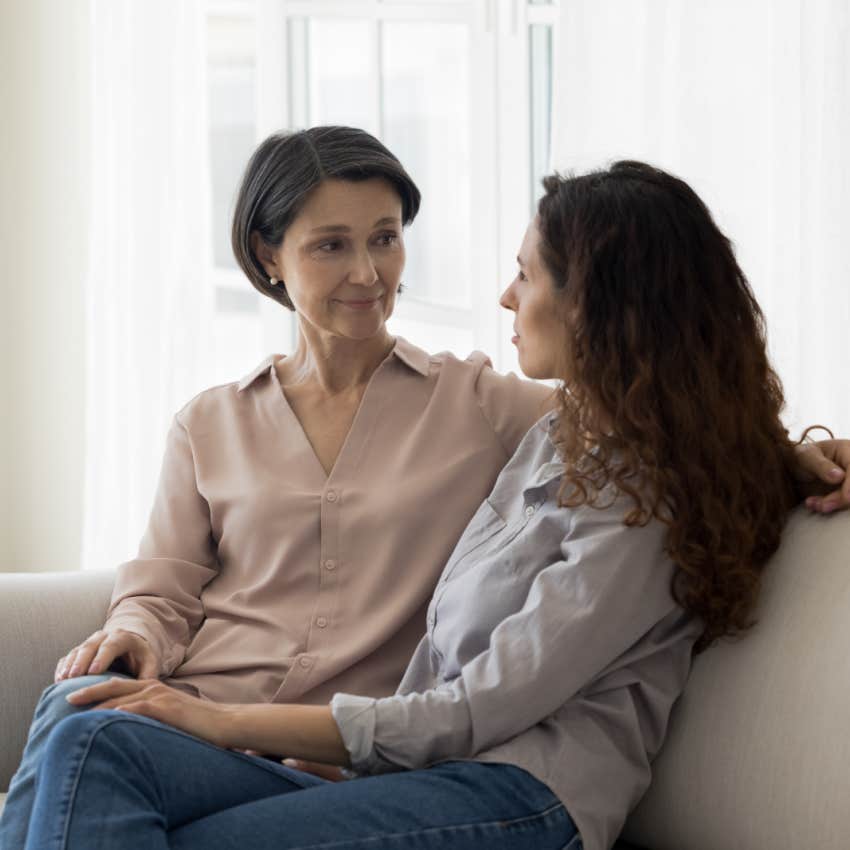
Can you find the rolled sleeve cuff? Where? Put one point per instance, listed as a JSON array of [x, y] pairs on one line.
[[355, 716]]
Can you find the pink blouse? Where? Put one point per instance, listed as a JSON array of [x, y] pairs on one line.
[[262, 579]]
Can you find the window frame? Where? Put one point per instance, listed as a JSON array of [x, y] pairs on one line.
[[499, 78]]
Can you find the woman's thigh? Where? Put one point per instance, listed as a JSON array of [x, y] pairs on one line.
[[452, 806], [108, 776]]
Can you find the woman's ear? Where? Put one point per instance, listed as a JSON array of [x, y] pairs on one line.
[[265, 254]]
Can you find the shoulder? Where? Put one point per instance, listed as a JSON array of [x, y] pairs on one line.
[[231, 399]]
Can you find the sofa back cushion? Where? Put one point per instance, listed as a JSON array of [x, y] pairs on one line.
[[758, 751]]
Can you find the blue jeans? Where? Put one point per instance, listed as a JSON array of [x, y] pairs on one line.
[[107, 779], [52, 707]]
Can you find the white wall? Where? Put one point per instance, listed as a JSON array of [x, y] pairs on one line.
[[44, 113]]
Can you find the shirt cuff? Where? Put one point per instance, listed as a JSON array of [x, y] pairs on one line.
[[168, 658], [355, 717]]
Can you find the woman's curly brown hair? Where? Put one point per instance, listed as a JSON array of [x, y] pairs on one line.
[[668, 376]]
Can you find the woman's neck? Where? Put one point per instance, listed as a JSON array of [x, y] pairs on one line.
[[334, 364]]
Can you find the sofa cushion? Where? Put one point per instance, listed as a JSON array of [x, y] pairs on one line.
[[758, 754]]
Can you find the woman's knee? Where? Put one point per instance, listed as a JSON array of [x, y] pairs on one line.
[[52, 704]]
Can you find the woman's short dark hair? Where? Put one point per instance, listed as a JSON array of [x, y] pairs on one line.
[[286, 168]]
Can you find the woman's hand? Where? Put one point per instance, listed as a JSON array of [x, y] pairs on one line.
[[152, 698], [325, 771], [823, 472], [97, 652]]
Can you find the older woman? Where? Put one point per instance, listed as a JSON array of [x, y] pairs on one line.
[[304, 514]]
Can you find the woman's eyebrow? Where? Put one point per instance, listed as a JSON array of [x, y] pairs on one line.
[[344, 228]]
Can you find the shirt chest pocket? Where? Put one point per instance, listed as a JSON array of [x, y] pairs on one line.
[[483, 591], [484, 525]]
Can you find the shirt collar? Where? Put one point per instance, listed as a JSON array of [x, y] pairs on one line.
[[409, 354], [255, 373]]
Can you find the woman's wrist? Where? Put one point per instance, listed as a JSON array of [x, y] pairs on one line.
[[295, 731]]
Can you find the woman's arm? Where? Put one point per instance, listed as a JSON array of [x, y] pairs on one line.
[[581, 618], [157, 593], [297, 731]]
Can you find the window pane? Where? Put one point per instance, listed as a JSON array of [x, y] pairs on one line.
[[232, 117], [432, 337], [341, 84], [426, 124], [540, 98], [237, 345]]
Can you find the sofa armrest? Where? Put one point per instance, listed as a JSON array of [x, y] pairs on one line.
[[42, 615]]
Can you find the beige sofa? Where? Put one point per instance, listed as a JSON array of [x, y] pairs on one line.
[[758, 753]]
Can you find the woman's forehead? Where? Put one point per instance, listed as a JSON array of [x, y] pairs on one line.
[[350, 203]]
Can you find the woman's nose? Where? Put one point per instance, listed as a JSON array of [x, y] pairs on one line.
[[506, 299], [363, 270]]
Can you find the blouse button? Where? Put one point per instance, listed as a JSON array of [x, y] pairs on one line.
[[529, 511], [304, 661], [321, 622], [330, 564], [331, 496]]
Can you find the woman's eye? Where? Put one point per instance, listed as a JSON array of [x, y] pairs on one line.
[[387, 239], [329, 247], [521, 275]]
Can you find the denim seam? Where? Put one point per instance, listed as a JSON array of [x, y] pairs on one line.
[[354, 842]]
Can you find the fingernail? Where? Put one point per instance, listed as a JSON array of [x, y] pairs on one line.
[[810, 502], [835, 473], [94, 667], [830, 504], [290, 762]]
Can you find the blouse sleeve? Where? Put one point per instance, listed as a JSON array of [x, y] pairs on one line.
[[581, 614], [157, 594], [510, 404]]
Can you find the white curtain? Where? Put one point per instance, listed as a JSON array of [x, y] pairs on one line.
[[749, 102], [148, 305]]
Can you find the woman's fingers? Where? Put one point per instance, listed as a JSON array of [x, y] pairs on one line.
[[325, 771], [70, 660], [109, 649], [111, 689], [60, 666], [836, 500], [86, 651]]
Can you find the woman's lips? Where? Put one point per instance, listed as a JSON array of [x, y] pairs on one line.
[[359, 305]]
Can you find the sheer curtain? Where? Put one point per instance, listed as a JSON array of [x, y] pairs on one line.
[[148, 306], [750, 103]]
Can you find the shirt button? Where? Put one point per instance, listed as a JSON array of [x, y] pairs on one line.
[[304, 661], [529, 511], [330, 564], [331, 496], [321, 622]]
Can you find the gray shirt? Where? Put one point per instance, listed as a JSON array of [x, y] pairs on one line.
[[553, 644]]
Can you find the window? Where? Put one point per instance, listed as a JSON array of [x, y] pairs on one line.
[[459, 90]]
